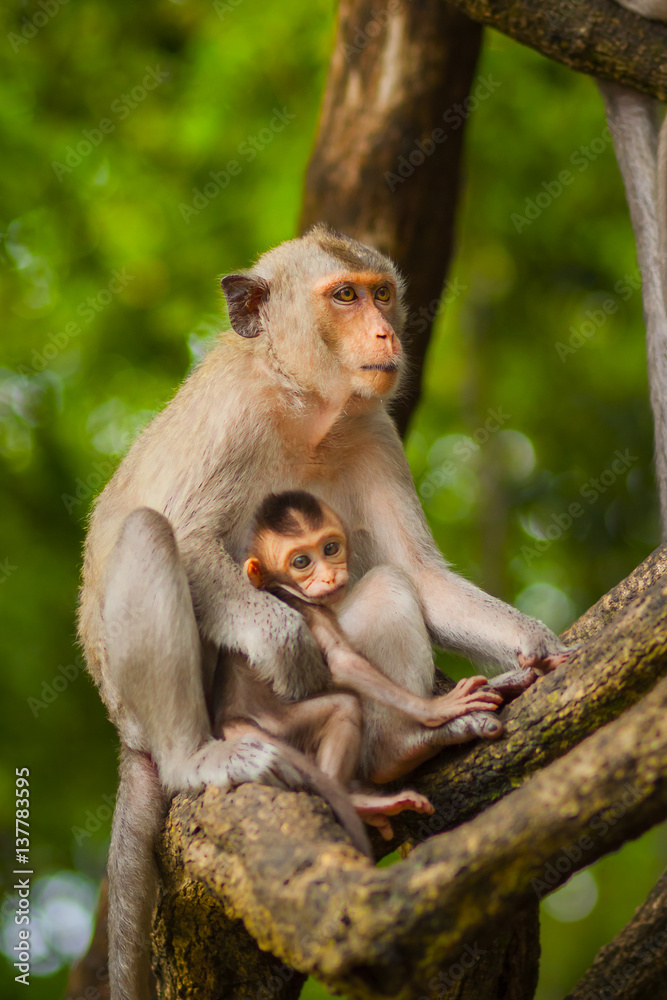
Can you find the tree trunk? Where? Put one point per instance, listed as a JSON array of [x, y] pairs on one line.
[[387, 158]]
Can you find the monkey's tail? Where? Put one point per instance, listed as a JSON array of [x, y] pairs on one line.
[[265, 759], [642, 159], [141, 806]]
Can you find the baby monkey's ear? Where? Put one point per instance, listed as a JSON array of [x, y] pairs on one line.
[[253, 572]]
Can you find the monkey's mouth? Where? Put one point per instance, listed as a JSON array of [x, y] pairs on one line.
[[385, 366]]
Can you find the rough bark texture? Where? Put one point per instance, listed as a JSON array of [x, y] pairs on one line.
[[596, 36], [633, 964], [278, 861], [397, 70]]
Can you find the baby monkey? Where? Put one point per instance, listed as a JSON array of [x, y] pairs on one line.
[[298, 551]]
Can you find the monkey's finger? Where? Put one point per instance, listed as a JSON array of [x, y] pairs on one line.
[[478, 705], [382, 824], [489, 697], [470, 684], [545, 664]]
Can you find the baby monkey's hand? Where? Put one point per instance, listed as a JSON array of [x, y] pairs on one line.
[[469, 695]]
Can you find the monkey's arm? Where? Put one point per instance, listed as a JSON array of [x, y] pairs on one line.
[[465, 619], [352, 671], [234, 615], [459, 615]]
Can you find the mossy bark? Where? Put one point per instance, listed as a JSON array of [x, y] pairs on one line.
[[598, 37]]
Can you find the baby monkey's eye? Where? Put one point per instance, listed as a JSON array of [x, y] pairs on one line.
[[346, 294], [383, 294], [300, 562], [331, 548]]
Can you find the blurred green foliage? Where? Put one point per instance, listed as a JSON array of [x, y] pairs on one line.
[[148, 148]]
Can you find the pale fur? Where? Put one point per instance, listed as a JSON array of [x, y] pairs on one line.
[[641, 150], [162, 589]]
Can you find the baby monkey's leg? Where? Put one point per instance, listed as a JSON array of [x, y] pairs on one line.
[[329, 729], [404, 749], [326, 728]]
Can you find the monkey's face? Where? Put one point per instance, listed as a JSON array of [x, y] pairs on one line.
[[326, 313], [357, 314], [315, 562]]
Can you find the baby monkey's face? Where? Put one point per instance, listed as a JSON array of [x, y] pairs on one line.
[[315, 561]]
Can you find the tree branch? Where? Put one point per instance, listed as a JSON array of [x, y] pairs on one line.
[[313, 900], [632, 965], [278, 860], [597, 37]]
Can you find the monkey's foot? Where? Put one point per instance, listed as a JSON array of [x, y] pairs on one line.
[[477, 725], [375, 809]]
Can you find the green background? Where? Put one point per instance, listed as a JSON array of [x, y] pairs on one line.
[[86, 362]]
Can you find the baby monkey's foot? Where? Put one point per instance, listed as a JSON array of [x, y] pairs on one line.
[[477, 725], [376, 809], [472, 694]]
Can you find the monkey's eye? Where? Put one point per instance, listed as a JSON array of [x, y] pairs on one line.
[[331, 548], [346, 294], [383, 294], [300, 562]]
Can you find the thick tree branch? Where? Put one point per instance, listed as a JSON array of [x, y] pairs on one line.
[[278, 861], [611, 604], [274, 860], [597, 37], [632, 965]]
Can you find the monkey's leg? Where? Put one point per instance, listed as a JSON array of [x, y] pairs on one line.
[[329, 728], [155, 666], [140, 809], [402, 751], [156, 689], [334, 722], [383, 618], [325, 728]]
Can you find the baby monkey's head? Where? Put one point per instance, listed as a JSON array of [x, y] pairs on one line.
[[297, 540]]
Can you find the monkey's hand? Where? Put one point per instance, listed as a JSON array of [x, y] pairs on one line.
[[544, 663], [471, 694], [539, 649]]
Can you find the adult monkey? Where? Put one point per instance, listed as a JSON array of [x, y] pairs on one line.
[[292, 399]]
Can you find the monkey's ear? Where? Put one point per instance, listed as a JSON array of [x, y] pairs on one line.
[[244, 297], [253, 572]]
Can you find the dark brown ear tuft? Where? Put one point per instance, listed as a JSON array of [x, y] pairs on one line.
[[244, 297]]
